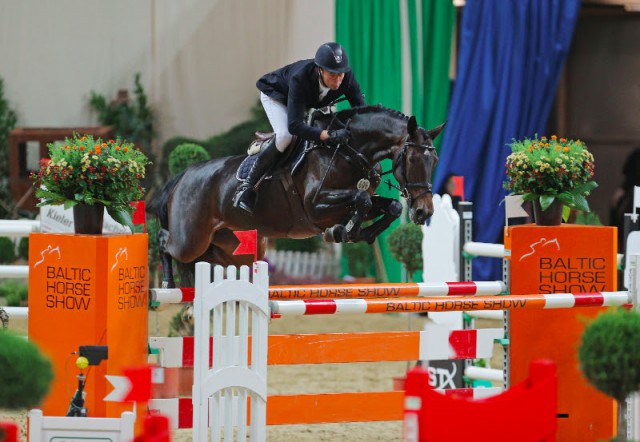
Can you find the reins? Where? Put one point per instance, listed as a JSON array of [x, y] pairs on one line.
[[369, 169]]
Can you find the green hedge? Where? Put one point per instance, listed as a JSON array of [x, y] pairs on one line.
[[25, 372]]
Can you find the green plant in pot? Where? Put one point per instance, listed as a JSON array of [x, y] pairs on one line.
[[84, 171], [608, 358], [405, 245], [551, 173]]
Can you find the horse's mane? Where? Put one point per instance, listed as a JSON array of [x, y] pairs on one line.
[[359, 110]]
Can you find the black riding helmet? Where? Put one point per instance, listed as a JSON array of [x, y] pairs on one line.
[[333, 58]]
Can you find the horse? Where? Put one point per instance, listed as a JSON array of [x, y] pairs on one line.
[[332, 191]]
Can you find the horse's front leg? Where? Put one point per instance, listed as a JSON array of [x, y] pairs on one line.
[[358, 202], [390, 210]]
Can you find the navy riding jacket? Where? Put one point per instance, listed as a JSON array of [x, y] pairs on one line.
[[297, 87]]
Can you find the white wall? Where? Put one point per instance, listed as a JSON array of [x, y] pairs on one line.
[[199, 59]]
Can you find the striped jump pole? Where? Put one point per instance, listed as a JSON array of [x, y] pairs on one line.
[[442, 304], [390, 290], [346, 291]]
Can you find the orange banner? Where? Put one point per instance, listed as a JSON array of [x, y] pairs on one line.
[[564, 259], [87, 290]]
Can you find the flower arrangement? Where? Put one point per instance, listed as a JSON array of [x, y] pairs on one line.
[[550, 169], [84, 170]]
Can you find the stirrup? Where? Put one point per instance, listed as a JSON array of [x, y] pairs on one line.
[[245, 199]]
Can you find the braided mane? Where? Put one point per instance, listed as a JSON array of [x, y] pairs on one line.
[[359, 110]]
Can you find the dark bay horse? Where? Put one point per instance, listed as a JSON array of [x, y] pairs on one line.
[[333, 191]]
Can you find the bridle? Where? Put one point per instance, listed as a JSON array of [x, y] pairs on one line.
[[400, 161]]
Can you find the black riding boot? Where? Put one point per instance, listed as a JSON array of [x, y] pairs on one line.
[[246, 195]]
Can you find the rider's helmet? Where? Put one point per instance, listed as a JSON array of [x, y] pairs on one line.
[[333, 58]]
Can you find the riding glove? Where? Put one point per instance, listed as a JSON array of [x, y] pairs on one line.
[[338, 136]]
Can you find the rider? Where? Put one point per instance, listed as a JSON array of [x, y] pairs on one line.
[[286, 95]]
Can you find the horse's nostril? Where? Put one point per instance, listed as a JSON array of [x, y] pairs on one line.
[[419, 216]]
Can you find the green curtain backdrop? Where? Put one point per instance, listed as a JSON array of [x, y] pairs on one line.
[[431, 28], [371, 32]]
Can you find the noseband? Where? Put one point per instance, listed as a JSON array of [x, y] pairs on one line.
[[400, 161]]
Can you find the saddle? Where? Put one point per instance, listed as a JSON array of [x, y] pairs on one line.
[[292, 159]]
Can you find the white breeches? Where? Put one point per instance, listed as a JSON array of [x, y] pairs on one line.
[[277, 114]]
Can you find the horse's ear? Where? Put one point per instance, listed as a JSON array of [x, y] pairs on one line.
[[412, 126], [433, 133]]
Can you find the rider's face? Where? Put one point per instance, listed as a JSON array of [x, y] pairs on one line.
[[331, 80]]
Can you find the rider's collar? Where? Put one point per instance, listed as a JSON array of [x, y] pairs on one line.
[[324, 90]]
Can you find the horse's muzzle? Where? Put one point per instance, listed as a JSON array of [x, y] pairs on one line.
[[420, 215]]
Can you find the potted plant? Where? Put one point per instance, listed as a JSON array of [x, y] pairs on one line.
[[550, 173], [90, 174], [608, 358]]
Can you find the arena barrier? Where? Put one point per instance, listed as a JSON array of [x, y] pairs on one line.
[[432, 343], [16, 229], [222, 371]]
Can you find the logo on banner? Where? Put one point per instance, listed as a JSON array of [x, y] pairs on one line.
[[122, 252], [538, 245], [441, 376], [47, 251]]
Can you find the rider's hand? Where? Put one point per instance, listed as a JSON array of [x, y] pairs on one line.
[[339, 136]]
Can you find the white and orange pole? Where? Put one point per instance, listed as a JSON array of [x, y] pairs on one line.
[[347, 291], [443, 304]]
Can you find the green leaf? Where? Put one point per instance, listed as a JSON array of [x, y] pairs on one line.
[[69, 204], [42, 193], [121, 216], [567, 199], [566, 211], [586, 187], [546, 200], [581, 203]]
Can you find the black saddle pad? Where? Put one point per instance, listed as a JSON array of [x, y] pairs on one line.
[[291, 161], [245, 167]]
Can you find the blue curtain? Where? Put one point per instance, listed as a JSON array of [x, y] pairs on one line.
[[511, 54]]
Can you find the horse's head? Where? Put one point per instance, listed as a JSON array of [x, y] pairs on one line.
[[413, 166]]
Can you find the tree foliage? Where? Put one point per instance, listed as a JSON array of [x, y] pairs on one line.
[[607, 353], [25, 372], [8, 120], [405, 245], [185, 155]]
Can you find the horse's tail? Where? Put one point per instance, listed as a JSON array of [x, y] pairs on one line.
[[159, 205]]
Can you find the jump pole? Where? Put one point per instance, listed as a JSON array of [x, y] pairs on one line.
[[441, 304], [367, 291]]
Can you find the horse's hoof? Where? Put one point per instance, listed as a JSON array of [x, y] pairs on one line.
[[327, 235], [168, 284], [335, 234]]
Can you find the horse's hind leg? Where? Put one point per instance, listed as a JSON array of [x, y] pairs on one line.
[[166, 260]]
